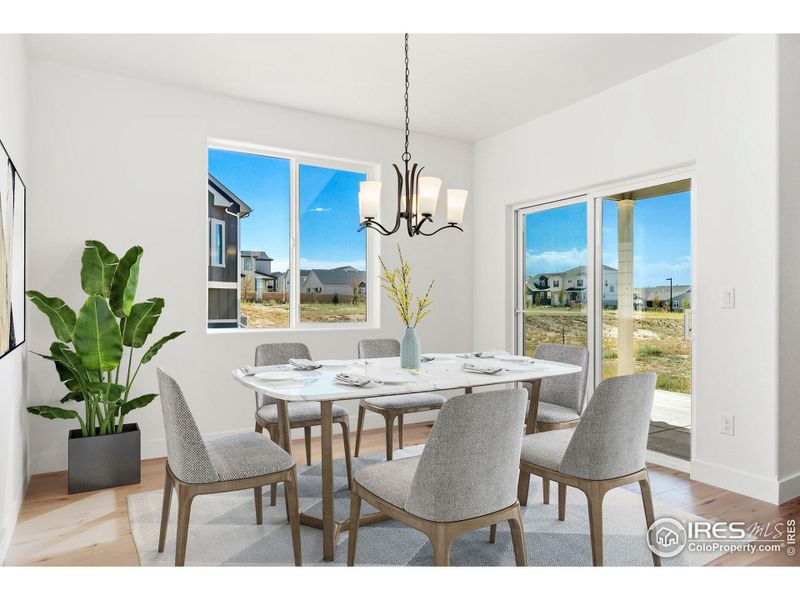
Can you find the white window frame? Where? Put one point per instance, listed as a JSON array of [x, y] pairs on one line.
[[213, 223], [247, 261], [296, 159]]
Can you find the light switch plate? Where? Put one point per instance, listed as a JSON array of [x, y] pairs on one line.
[[726, 424], [728, 297]]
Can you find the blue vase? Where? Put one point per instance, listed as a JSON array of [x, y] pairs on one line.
[[410, 350]]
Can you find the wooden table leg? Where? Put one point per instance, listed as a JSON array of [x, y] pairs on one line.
[[285, 442], [523, 484], [328, 523]]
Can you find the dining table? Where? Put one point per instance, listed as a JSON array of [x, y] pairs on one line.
[[439, 372]]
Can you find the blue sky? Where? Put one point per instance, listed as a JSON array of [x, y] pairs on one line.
[[328, 209], [556, 239]]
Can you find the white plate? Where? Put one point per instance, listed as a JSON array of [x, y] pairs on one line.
[[281, 376], [514, 358]]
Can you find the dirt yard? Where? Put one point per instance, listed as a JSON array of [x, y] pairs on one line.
[[270, 315]]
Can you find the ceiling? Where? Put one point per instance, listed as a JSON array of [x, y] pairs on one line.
[[463, 86]]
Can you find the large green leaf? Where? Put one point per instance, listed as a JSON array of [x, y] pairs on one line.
[[153, 350], [61, 316], [97, 338], [124, 282], [53, 412], [98, 265], [110, 392], [140, 323], [69, 367], [74, 396], [139, 402]]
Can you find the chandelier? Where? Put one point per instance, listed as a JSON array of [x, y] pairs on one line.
[[417, 196]]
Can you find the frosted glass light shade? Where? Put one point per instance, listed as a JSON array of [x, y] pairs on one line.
[[369, 199], [456, 201], [428, 193]]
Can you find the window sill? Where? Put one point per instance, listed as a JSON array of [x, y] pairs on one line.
[[290, 330]]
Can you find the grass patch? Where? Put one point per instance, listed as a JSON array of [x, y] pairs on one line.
[[648, 351]]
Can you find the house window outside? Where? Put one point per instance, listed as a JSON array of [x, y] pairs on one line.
[[217, 243], [611, 288], [580, 282], [556, 283], [297, 218]]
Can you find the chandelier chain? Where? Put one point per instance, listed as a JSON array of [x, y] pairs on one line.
[[406, 154]]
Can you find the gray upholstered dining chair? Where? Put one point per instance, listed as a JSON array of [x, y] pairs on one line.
[[390, 407], [606, 450], [561, 399], [303, 415], [196, 466], [464, 480]]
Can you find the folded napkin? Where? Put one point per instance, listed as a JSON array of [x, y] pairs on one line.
[[427, 358], [248, 370], [484, 369], [486, 354], [351, 379], [303, 364]]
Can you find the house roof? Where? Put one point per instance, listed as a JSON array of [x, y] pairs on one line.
[[257, 254], [339, 275], [662, 291], [237, 205]]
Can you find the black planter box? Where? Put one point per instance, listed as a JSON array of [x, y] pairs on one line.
[[104, 461]]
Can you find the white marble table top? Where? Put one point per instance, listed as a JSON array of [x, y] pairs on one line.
[[442, 373]]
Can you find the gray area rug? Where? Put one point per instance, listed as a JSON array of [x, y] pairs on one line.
[[223, 530]]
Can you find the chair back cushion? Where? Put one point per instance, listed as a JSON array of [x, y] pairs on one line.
[[470, 463], [380, 348], [277, 354], [611, 438], [568, 391], [187, 453]]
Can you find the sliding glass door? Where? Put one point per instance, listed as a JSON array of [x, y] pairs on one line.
[[611, 270], [553, 294]]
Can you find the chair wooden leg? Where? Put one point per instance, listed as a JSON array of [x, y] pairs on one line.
[[259, 428], [259, 505], [518, 539], [649, 515], [347, 460], [352, 535], [165, 505], [545, 490], [400, 430], [389, 432], [523, 486], [493, 534], [273, 489], [359, 428], [562, 501], [184, 510], [294, 515], [595, 497], [307, 432], [442, 543]]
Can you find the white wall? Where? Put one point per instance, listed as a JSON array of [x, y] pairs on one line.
[[13, 418], [717, 110], [124, 161], [789, 316]]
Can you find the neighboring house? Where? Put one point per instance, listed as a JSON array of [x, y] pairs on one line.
[[646, 297], [282, 280], [341, 280], [225, 210], [256, 274], [569, 287]]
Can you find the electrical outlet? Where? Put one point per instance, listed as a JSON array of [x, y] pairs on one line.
[[726, 424]]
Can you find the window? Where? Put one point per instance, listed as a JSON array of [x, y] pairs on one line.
[[611, 288], [217, 243], [556, 283], [580, 282], [295, 217]]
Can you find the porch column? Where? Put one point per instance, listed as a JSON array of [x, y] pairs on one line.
[[625, 287]]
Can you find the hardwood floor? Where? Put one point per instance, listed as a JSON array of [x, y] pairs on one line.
[[92, 528]]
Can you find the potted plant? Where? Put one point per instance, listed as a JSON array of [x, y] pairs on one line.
[[412, 308], [89, 358]]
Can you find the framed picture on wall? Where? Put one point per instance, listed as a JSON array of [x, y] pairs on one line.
[[12, 255]]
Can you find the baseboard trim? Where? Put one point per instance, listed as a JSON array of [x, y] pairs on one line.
[[740, 482], [789, 488], [671, 462]]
